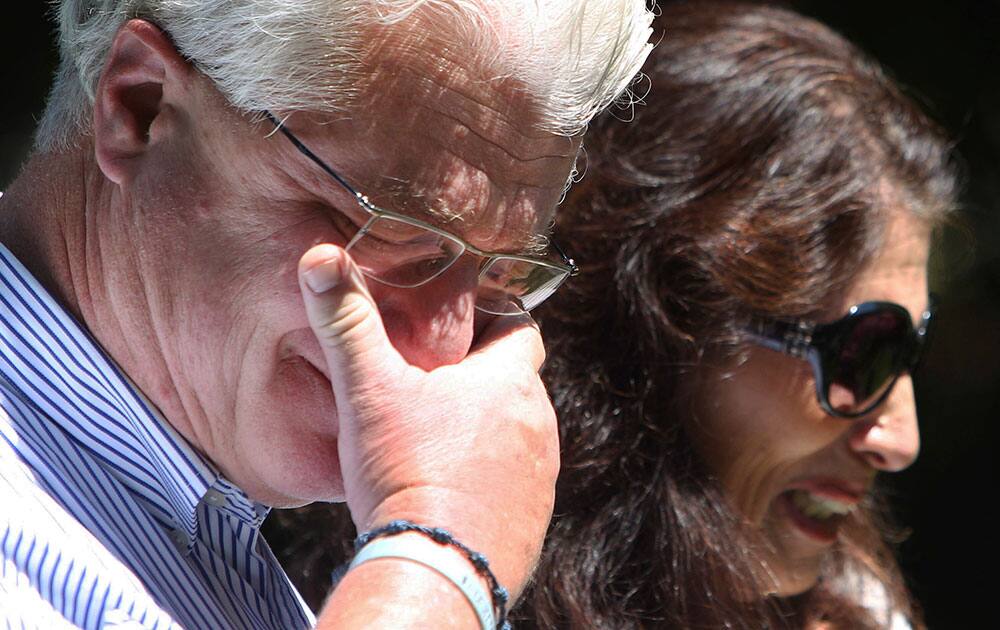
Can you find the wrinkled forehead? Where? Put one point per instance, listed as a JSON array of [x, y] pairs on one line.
[[434, 54], [455, 140]]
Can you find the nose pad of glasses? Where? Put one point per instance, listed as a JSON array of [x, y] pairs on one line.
[[360, 234]]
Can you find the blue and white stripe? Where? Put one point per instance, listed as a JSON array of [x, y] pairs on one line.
[[108, 518]]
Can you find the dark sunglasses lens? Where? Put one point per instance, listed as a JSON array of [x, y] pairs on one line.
[[864, 359]]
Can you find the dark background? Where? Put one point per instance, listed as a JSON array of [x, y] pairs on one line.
[[949, 59]]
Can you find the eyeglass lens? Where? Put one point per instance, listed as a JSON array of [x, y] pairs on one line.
[[403, 255], [864, 358], [512, 285]]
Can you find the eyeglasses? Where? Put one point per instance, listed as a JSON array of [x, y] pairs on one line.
[[857, 359], [404, 252]]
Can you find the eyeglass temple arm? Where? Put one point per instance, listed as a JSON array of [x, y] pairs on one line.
[[573, 268], [312, 156], [792, 338]]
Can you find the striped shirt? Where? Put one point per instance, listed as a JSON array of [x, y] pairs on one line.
[[108, 518]]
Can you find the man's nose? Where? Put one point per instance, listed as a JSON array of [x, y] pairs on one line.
[[889, 439], [433, 324]]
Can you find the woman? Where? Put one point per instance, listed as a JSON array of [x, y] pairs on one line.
[[732, 368]]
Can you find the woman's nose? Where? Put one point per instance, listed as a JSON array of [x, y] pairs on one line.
[[889, 439]]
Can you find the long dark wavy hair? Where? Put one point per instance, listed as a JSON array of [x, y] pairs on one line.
[[751, 183]]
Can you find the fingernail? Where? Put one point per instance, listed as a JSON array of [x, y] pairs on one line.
[[323, 276]]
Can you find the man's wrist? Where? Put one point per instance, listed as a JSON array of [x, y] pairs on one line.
[[467, 571], [397, 593], [511, 545]]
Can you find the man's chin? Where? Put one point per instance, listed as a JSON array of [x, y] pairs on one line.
[[289, 430], [293, 477]]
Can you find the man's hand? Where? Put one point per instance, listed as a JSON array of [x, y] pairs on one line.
[[471, 447]]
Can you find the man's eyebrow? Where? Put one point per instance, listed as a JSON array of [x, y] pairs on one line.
[[401, 197]]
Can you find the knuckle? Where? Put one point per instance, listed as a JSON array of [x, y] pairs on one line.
[[540, 355], [337, 327], [527, 385]]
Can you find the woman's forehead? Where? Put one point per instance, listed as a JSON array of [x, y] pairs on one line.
[[898, 271]]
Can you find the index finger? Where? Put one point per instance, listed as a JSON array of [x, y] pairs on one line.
[[508, 338]]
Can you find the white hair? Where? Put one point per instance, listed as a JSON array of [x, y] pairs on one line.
[[576, 56]]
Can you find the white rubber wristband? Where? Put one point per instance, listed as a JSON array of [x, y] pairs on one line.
[[446, 561]]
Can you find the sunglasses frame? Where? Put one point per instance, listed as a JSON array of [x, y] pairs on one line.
[[806, 340]]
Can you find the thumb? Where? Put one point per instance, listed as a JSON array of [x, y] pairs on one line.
[[344, 318]]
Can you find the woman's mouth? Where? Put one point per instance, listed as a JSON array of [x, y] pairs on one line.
[[817, 516]]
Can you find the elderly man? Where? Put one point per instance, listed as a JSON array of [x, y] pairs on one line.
[[268, 253]]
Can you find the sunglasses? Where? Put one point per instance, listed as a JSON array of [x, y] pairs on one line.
[[857, 359]]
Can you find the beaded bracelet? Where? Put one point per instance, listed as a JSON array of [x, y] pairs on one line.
[[442, 559], [444, 537]]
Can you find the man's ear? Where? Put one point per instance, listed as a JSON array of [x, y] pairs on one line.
[[142, 68]]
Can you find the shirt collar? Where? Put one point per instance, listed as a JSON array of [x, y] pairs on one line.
[[50, 349]]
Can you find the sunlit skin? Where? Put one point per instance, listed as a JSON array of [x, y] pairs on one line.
[[183, 235], [762, 432], [214, 224]]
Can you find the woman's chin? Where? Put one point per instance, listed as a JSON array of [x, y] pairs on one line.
[[796, 551], [792, 581]]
